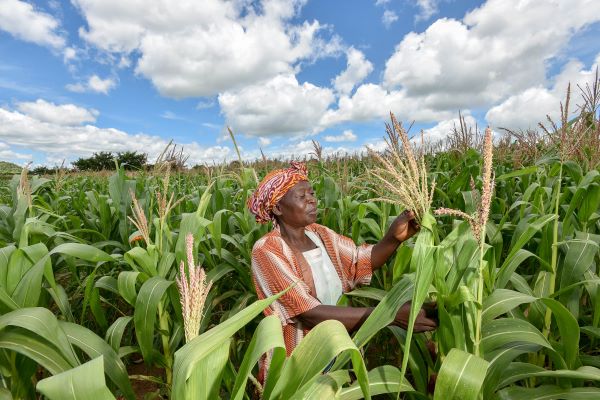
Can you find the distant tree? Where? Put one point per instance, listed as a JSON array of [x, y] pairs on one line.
[[42, 170], [97, 162], [132, 160]]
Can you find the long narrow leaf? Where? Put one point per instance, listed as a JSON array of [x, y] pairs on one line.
[[461, 377], [83, 382]]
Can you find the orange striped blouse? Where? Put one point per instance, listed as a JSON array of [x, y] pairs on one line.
[[276, 266]]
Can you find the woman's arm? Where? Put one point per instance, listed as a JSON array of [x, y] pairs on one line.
[[403, 227], [353, 317]]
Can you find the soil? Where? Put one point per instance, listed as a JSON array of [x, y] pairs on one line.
[[144, 389]]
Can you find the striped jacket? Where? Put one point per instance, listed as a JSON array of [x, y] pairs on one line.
[[276, 266]]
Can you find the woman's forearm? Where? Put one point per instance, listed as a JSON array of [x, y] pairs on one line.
[[351, 317], [383, 250]]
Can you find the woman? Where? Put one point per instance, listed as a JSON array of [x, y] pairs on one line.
[[317, 263]]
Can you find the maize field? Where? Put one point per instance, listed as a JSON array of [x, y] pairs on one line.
[[138, 285]]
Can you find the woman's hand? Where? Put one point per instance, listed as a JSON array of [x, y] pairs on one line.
[[404, 226], [426, 318]]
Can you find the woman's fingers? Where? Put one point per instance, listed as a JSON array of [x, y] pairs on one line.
[[424, 322], [409, 215], [425, 325]]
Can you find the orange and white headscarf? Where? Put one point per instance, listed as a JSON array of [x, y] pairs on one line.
[[272, 188]]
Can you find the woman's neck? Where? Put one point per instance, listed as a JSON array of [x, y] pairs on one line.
[[296, 237]]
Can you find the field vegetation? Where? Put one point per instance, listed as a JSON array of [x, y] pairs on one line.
[[137, 284]]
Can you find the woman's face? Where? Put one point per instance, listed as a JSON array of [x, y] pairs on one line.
[[298, 207]]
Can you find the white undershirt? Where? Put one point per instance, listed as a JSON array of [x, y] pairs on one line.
[[327, 282]]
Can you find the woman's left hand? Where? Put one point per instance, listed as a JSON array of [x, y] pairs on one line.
[[404, 226]]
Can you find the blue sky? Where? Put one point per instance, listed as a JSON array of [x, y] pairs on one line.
[[83, 76]]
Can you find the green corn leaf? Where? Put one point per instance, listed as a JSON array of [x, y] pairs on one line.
[[461, 377], [5, 394], [107, 283], [505, 332], [517, 371], [215, 229], [204, 200], [28, 289], [382, 380], [144, 260], [190, 223], [36, 348], [383, 314], [114, 333], [41, 322], [373, 227], [450, 332], [5, 254], [569, 331], [205, 380], [61, 299], [82, 252], [509, 267], [423, 262], [218, 272], [81, 383], [499, 361], [165, 264], [523, 171], [144, 316], [579, 258], [418, 358], [25, 272], [326, 386], [589, 203], [368, 293], [323, 387], [549, 392], [195, 352], [523, 237], [322, 344], [502, 301], [591, 331], [94, 346], [268, 335], [7, 301], [126, 285]]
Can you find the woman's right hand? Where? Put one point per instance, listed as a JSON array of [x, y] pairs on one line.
[[426, 318]]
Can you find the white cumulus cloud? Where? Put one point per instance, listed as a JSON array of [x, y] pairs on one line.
[[263, 141], [99, 85], [35, 131], [346, 136], [358, 68], [22, 20], [527, 108], [498, 49], [6, 153], [190, 48], [371, 101], [388, 18], [65, 114], [93, 84], [427, 8], [280, 105], [443, 128]]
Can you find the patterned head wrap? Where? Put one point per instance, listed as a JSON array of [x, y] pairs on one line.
[[272, 188]]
